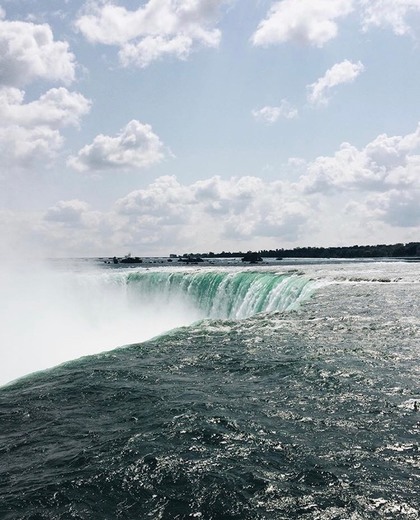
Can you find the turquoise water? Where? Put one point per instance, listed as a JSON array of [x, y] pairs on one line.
[[291, 395]]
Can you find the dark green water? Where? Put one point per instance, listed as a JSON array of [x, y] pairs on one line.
[[305, 414]]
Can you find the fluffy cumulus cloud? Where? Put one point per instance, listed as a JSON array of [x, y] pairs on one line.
[[165, 199], [136, 146], [340, 73], [389, 13], [156, 29], [371, 190], [30, 132], [56, 108], [383, 164], [270, 114], [312, 23], [29, 52]]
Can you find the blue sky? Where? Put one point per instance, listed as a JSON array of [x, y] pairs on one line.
[[164, 126]]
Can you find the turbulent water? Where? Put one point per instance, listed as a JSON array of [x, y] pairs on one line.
[[274, 392]]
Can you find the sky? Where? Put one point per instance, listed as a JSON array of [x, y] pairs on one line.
[[169, 126]]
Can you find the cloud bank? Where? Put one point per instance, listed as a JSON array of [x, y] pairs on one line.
[[371, 189]]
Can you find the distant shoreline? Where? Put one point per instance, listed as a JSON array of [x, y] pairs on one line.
[[400, 250], [409, 252]]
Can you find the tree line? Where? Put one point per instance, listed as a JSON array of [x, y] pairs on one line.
[[411, 249]]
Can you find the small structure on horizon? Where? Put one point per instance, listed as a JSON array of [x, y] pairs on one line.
[[131, 259], [128, 259], [252, 257], [190, 259]]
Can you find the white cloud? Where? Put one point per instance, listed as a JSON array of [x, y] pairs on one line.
[[165, 200], [29, 52], [302, 21], [390, 152], [22, 147], [270, 114], [385, 163], [399, 208], [158, 28], [56, 108], [340, 73], [67, 212], [393, 13], [151, 48], [232, 197], [136, 146], [31, 132]]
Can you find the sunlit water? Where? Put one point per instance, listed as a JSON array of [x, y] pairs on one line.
[[272, 392]]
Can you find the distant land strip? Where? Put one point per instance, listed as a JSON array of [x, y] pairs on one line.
[[411, 249]]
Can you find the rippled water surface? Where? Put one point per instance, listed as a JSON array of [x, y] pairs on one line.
[[308, 412]]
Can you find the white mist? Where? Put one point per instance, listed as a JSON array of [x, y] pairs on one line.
[[48, 317]]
